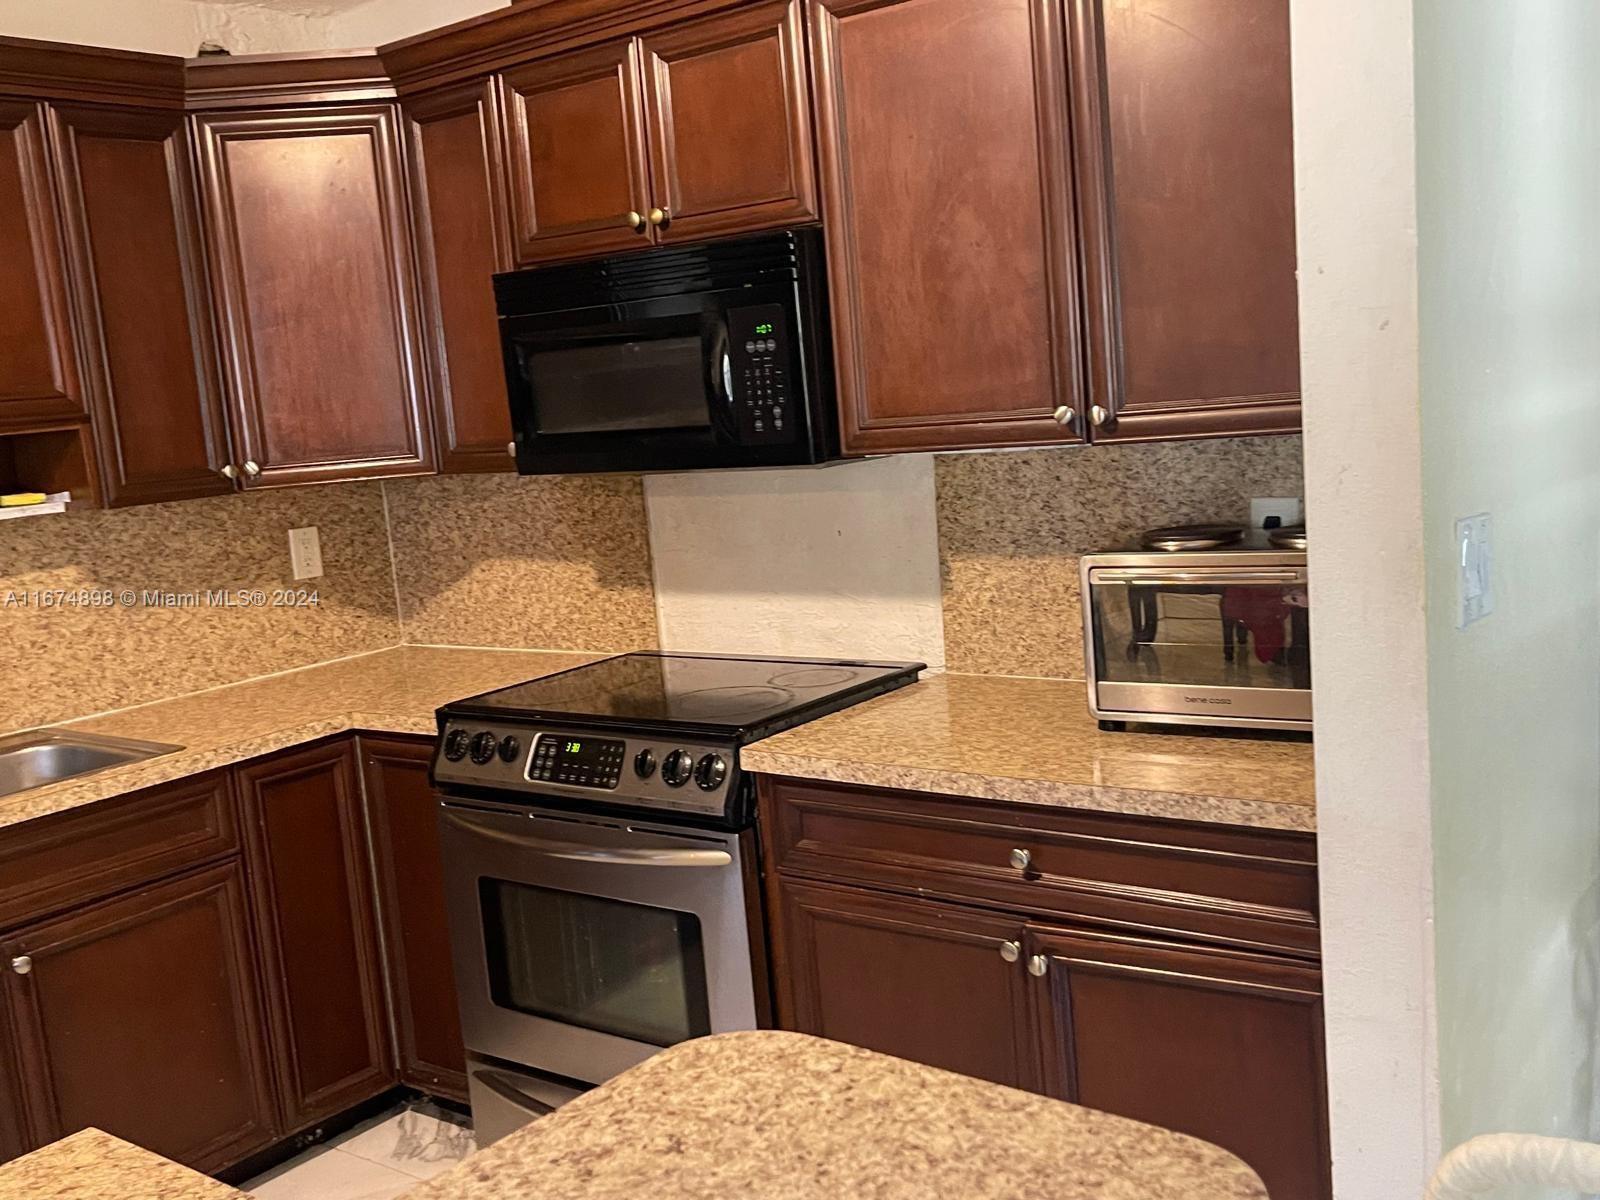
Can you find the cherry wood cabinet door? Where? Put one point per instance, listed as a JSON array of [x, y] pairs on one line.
[[38, 362], [141, 1017], [402, 811], [312, 265], [730, 123], [580, 183], [463, 235], [14, 1139], [1223, 1045], [1184, 139], [144, 308], [947, 199], [312, 885], [930, 982]]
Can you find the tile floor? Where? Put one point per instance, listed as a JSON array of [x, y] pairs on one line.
[[379, 1160]]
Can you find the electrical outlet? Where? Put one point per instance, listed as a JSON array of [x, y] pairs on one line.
[[1474, 570], [305, 553], [1286, 509]]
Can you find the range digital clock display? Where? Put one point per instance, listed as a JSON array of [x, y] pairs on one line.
[[578, 761]]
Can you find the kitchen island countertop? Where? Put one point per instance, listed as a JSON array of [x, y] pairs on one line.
[[91, 1165]]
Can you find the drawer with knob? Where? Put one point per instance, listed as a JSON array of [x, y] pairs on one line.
[[1242, 886]]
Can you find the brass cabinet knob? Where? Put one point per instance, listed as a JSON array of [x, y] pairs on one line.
[[1021, 859], [22, 964], [229, 471], [635, 222], [660, 216], [1038, 965], [252, 469], [1065, 416], [1011, 951], [1099, 415]]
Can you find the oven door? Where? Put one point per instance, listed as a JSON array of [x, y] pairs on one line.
[[583, 946], [1194, 644], [710, 379]]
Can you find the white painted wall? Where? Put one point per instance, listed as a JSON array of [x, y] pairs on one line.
[[1508, 169], [841, 561], [171, 26], [1355, 205], [381, 21]]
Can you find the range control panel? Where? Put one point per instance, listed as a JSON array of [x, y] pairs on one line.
[[762, 389], [637, 771]]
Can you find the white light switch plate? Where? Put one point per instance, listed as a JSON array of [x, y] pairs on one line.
[[1285, 508], [305, 553], [1474, 570]]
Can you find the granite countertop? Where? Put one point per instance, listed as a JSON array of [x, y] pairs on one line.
[[1032, 741], [96, 1166], [388, 691], [764, 1116]]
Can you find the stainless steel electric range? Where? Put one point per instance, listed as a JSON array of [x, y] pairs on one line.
[[599, 861]]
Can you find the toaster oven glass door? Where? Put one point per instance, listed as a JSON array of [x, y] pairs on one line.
[[1201, 629]]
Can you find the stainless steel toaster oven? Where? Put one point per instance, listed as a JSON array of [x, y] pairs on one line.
[[1215, 637]]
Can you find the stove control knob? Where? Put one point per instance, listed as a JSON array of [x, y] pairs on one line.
[[510, 747], [455, 744], [710, 771], [484, 746], [678, 768], [644, 763]]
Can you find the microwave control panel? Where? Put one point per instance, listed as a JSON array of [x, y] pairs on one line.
[[761, 387]]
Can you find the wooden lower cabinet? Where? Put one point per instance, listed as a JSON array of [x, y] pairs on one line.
[[307, 851], [140, 1016], [1220, 1044], [918, 980], [402, 813]]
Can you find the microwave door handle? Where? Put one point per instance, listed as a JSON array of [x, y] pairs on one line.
[[578, 852]]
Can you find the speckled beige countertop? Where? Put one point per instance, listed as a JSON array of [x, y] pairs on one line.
[[782, 1116], [1032, 741], [389, 691], [96, 1166]]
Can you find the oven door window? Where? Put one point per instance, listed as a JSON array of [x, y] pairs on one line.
[[624, 969], [1202, 634]]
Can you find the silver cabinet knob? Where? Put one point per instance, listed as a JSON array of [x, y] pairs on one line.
[[511, 449], [1099, 415], [1065, 416], [22, 964], [1011, 951], [252, 469], [1020, 859], [1038, 965], [229, 471]]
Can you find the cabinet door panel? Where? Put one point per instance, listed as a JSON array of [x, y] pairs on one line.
[[1222, 1045], [141, 1017], [313, 265], [402, 811], [941, 127], [313, 892], [38, 364], [144, 307], [918, 980], [1186, 150], [464, 238], [730, 124], [578, 169]]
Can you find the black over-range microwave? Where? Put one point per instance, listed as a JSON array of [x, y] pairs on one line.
[[672, 359]]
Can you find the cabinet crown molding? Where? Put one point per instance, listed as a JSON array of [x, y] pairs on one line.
[[59, 71]]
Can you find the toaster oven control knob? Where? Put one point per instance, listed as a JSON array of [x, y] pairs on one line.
[[644, 763], [484, 746], [510, 747], [678, 768], [455, 744], [710, 771]]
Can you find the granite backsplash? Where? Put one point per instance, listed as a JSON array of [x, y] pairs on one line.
[[1012, 527]]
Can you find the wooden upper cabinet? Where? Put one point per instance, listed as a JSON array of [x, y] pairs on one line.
[[580, 183], [947, 201], [1185, 147], [730, 123], [1222, 1045], [312, 264], [143, 308], [38, 362], [463, 236]]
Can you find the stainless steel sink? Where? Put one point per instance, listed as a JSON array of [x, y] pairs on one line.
[[30, 760]]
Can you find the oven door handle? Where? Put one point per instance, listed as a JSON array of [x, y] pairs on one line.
[[1220, 578], [578, 852]]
